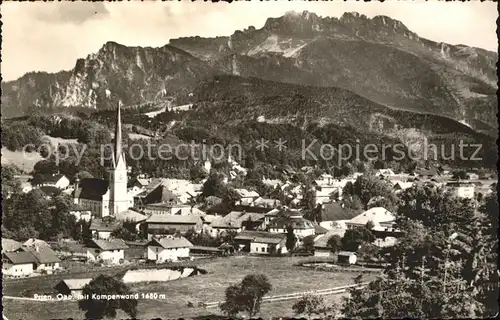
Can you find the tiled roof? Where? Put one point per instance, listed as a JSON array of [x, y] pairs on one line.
[[375, 215], [9, 245], [321, 241], [174, 219], [235, 219], [46, 178], [170, 242], [130, 215], [76, 284], [346, 253], [110, 244], [334, 212], [261, 236], [92, 189], [36, 242], [293, 219], [319, 229], [21, 257], [42, 254]]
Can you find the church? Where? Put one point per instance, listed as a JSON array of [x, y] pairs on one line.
[[107, 197]]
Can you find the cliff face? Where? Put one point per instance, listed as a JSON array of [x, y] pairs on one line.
[[379, 59], [133, 74]]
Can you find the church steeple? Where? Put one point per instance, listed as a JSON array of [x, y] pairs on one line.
[[118, 196], [117, 152]]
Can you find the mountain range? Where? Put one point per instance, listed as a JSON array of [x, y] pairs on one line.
[[356, 62]]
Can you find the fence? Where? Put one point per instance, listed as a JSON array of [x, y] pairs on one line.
[[297, 295]]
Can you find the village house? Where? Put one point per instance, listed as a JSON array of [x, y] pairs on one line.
[[384, 172], [336, 214], [247, 197], [46, 260], [17, 264], [163, 224], [321, 243], [400, 186], [169, 248], [379, 216], [9, 245], [261, 242], [266, 203], [102, 228], [461, 189], [139, 183], [58, 181], [184, 190], [156, 192], [131, 216], [72, 287], [237, 221], [171, 209], [110, 251], [288, 218]]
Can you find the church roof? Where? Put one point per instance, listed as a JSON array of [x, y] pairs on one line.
[[92, 189]]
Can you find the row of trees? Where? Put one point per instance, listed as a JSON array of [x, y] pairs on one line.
[[443, 267], [32, 214]]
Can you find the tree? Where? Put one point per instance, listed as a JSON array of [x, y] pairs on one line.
[[308, 242], [310, 305], [197, 173], [246, 296], [334, 243], [368, 186], [101, 308], [443, 266], [83, 175], [353, 238], [291, 239]]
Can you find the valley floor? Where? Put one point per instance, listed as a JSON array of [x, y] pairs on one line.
[[281, 271]]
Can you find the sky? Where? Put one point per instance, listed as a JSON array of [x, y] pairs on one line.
[[50, 36]]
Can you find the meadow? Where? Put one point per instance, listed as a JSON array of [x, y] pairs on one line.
[[282, 272]]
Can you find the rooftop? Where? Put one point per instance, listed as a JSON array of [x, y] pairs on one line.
[[22, 257], [76, 284], [9, 245], [261, 236], [174, 219], [42, 254], [170, 242], [375, 215], [110, 244]]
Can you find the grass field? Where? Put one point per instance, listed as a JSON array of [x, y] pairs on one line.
[[284, 276], [17, 158]]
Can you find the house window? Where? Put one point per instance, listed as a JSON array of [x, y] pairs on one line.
[[263, 249], [268, 249], [97, 251]]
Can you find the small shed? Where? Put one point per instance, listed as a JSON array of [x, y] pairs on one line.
[[72, 287], [346, 257]]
